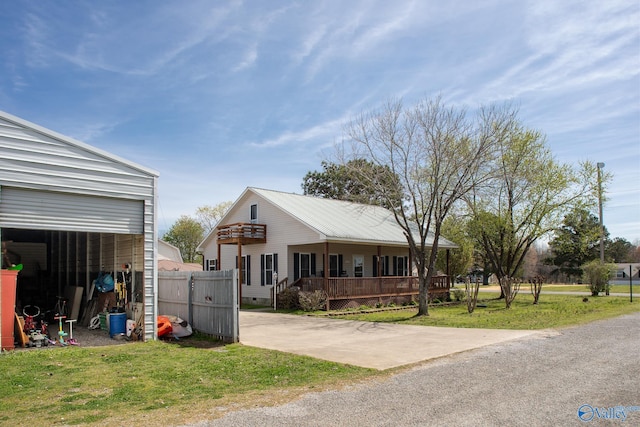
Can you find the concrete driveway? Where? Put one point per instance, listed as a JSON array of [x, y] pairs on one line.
[[370, 345]]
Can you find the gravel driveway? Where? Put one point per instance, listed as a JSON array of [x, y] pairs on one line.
[[591, 370]]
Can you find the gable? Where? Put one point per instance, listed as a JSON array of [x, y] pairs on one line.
[[37, 158]]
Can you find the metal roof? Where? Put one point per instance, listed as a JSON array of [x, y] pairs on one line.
[[338, 220], [9, 118]]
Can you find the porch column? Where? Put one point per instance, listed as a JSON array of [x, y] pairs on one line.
[[448, 269], [239, 267], [379, 268], [326, 271], [219, 258]]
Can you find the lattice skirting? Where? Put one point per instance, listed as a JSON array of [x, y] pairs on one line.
[[369, 302]]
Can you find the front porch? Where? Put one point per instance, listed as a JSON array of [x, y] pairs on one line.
[[352, 292]]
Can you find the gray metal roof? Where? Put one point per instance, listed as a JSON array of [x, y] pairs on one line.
[[338, 220]]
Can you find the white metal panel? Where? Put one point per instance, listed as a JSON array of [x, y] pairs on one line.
[[34, 157], [102, 192], [45, 210]]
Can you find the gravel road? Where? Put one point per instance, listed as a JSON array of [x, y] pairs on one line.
[[594, 369]]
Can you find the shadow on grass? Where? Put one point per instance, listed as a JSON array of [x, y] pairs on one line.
[[197, 340]]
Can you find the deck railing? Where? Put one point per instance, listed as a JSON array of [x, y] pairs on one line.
[[242, 232], [359, 287]]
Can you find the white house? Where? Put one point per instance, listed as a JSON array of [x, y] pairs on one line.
[[69, 211], [626, 272], [170, 259], [282, 236]]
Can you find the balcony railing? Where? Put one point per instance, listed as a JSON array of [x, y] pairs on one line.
[[243, 233]]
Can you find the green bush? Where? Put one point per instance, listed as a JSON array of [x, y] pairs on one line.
[[597, 275], [458, 295]]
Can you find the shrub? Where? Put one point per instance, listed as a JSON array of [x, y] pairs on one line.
[[312, 301], [597, 275], [289, 298], [458, 295]]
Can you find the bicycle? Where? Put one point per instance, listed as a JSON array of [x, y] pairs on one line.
[[38, 335]]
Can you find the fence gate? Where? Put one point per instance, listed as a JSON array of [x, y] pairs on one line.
[[208, 300]]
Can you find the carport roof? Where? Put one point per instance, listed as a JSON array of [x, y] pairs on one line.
[[68, 140]]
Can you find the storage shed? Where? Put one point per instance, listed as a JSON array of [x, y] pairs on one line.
[[69, 211]]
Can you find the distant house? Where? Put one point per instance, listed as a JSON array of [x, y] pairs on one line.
[[291, 239], [624, 272], [170, 259]]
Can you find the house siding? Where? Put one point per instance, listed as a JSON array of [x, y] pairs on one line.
[[281, 231], [286, 236]]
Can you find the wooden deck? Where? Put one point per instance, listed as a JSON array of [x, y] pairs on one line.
[[349, 291]]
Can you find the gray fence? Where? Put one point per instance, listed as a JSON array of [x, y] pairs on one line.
[[208, 300]]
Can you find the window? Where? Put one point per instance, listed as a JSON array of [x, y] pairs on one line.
[[400, 266], [304, 265], [335, 266], [245, 269], [384, 268], [358, 265], [254, 214], [268, 267], [212, 264]]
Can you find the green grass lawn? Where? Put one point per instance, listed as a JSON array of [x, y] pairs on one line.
[[162, 384], [623, 289], [155, 383], [552, 311]]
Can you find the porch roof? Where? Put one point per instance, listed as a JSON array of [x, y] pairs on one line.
[[341, 221]]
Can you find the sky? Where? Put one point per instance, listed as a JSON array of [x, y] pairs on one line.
[[219, 96]]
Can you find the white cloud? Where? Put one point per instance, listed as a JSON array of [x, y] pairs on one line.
[[323, 131]]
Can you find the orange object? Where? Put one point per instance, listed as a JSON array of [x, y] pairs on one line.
[[164, 326], [8, 281], [18, 331]]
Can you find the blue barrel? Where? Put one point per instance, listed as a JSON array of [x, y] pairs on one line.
[[117, 324]]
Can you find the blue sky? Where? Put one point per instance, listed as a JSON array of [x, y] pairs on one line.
[[218, 96]]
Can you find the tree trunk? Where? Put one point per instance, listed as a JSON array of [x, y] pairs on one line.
[[423, 297]]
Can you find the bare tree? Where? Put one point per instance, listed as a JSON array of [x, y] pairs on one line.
[[209, 216], [436, 155], [525, 200]]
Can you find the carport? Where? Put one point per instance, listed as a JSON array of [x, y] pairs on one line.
[[69, 211]]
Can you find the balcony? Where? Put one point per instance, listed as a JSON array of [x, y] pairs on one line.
[[242, 233]]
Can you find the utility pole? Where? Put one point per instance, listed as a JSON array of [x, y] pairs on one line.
[[600, 166]]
